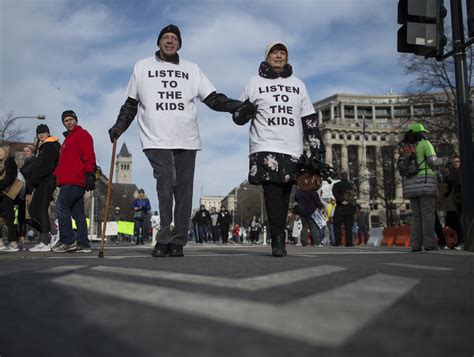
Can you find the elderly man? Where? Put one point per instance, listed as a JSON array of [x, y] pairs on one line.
[[163, 89]]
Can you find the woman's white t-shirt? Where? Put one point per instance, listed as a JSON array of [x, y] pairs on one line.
[[282, 102]]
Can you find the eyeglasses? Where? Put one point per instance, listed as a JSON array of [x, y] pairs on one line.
[[457, 161]]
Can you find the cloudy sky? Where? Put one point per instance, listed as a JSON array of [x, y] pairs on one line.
[[60, 54]]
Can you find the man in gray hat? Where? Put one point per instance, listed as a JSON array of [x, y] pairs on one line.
[[162, 90]]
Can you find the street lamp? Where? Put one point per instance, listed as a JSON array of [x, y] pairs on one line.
[[9, 122]]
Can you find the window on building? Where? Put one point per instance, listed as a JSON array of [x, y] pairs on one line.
[[371, 167], [364, 112], [326, 113], [353, 163], [421, 110], [337, 157], [402, 111], [382, 112], [388, 170], [349, 111]]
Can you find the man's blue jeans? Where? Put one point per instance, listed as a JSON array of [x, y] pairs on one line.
[[70, 203], [202, 233]]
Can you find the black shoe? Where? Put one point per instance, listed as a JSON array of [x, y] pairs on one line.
[[160, 250], [176, 251], [278, 246], [416, 249], [432, 248]]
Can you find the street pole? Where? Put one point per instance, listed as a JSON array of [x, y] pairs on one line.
[[9, 122], [464, 124]]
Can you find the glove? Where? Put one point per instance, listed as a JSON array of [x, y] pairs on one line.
[[90, 181], [244, 113], [114, 133]]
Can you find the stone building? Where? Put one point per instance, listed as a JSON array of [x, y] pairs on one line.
[[354, 125], [211, 201]]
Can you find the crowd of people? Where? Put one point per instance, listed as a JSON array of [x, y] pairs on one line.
[[69, 166]]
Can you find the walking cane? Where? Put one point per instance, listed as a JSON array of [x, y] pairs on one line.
[[107, 199]]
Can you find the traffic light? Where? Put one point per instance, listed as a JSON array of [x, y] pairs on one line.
[[422, 32]]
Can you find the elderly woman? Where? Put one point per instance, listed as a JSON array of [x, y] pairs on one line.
[[285, 114], [8, 173]]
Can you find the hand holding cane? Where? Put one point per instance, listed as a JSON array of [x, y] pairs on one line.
[[107, 200]]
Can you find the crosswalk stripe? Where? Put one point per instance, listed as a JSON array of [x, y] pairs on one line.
[[61, 269], [326, 319], [417, 266], [249, 284]]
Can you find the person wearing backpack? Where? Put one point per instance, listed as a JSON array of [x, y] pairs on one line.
[[421, 188]]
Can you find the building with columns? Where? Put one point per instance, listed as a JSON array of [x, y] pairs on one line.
[[211, 201], [361, 134]]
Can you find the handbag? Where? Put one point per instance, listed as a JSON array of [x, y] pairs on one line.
[[14, 189]]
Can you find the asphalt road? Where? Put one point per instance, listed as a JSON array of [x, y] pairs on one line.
[[237, 300]]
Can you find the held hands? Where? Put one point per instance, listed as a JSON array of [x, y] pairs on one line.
[[244, 113], [90, 181], [114, 133]]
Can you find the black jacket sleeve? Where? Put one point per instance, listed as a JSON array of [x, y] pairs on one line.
[[221, 103], [313, 135], [128, 111], [11, 170]]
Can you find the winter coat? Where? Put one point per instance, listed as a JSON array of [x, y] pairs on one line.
[[202, 218], [26, 172], [425, 183], [9, 175], [224, 219], [42, 168], [76, 158], [454, 185], [308, 202]]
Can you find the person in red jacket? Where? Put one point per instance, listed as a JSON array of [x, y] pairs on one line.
[[74, 175]]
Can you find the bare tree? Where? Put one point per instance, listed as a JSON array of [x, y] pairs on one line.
[[9, 128], [434, 82]]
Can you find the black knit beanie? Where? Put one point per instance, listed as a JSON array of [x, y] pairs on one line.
[[68, 113], [170, 28], [42, 128]]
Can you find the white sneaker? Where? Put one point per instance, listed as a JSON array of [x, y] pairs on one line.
[[41, 248], [12, 247]]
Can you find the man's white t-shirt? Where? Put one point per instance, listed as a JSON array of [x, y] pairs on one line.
[[282, 102], [166, 93]]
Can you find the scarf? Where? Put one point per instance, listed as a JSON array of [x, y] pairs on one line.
[[173, 59], [267, 71]]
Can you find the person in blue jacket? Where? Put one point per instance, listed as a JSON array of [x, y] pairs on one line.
[[141, 206]]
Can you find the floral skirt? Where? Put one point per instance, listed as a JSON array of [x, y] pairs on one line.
[[272, 167]]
